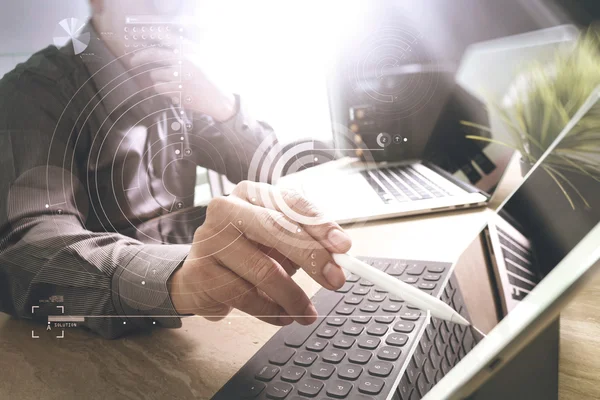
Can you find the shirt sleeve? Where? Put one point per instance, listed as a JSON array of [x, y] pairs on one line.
[[233, 142], [118, 283]]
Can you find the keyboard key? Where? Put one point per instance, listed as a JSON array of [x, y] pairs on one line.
[[267, 373], [380, 290], [292, 373], [429, 371], [326, 332], [430, 332], [410, 315], [369, 307], [454, 343], [361, 319], [344, 342], [338, 389], [459, 331], [445, 366], [353, 299], [389, 353], [381, 368], [439, 344], [282, 356], [333, 356], [310, 387], [450, 354], [435, 269], [252, 389], [316, 344], [385, 319], [415, 270], [372, 386], [353, 329], [392, 307], [412, 374], [359, 356], [361, 291], [396, 298], [427, 285], [349, 371], [377, 330], [368, 342], [426, 345], [299, 335], [396, 269], [422, 385], [345, 310], [353, 278], [322, 370], [346, 288], [404, 326], [305, 358], [279, 390], [409, 279], [431, 277], [419, 357], [404, 388], [366, 283], [336, 321], [377, 297], [396, 339]]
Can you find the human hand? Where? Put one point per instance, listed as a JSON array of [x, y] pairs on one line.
[[243, 257], [175, 73]]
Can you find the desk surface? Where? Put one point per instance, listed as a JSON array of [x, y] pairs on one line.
[[195, 361]]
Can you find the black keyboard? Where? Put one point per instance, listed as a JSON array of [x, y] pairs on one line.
[[402, 183], [365, 344]]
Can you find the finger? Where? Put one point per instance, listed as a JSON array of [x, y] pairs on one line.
[[290, 267], [328, 233], [249, 262], [225, 290], [271, 228]]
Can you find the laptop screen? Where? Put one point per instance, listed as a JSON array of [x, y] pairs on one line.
[[462, 145]]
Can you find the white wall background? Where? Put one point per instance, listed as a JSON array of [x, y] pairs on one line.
[[272, 54], [28, 25]]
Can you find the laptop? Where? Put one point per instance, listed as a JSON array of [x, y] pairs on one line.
[[450, 171], [369, 344]]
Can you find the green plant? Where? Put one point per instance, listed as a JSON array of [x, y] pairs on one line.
[[543, 101]]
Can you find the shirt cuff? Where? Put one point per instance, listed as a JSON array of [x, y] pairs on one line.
[[140, 291]]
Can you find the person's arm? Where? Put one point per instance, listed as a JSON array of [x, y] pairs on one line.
[[118, 282], [233, 143], [224, 136]]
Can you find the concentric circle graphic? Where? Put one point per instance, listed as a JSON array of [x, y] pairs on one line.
[[394, 70], [69, 30], [274, 161]]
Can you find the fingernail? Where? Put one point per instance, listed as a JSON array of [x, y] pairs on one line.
[[285, 319], [310, 314], [340, 241], [334, 275]]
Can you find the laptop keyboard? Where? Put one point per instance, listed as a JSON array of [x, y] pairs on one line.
[[402, 183], [363, 343], [519, 265]]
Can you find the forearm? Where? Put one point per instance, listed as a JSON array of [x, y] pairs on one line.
[[119, 284]]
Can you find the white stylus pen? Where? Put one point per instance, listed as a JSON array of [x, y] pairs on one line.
[[408, 293]]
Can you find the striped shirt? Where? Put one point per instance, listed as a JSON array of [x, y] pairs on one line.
[[97, 179]]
